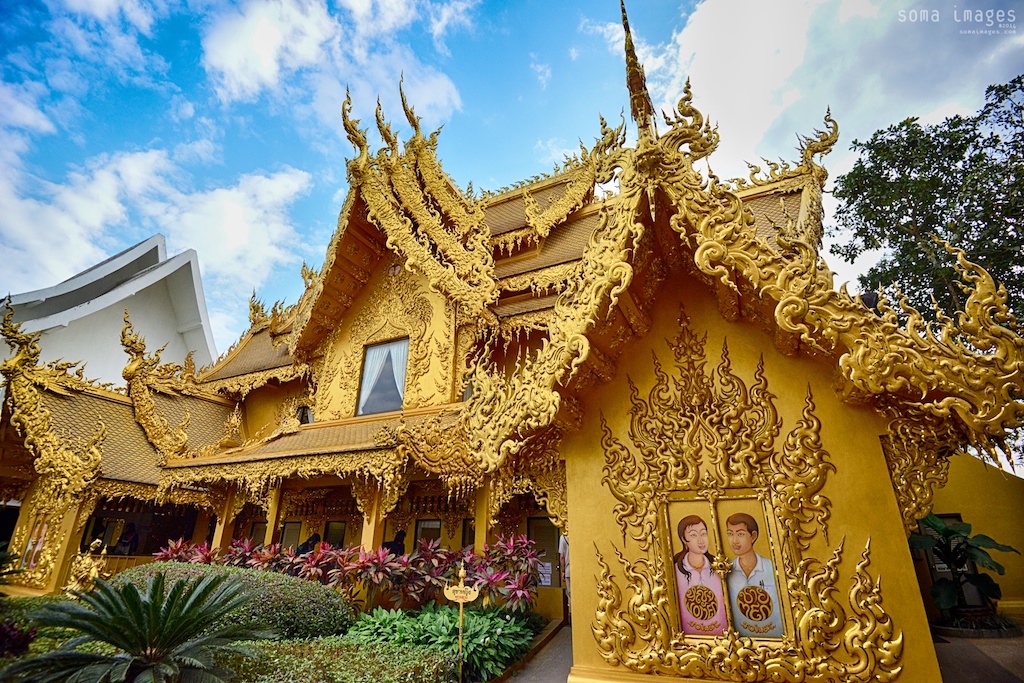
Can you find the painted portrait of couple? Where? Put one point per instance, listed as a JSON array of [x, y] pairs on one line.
[[753, 594]]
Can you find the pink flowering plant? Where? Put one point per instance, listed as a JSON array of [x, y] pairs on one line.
[[507, 574]]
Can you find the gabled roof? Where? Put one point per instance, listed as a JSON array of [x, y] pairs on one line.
[[90, 283], [112, 283]]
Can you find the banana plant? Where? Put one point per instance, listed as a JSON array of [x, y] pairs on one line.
[[953, 545]]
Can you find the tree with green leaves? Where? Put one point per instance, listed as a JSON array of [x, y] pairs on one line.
[[961, 181], [953, 545], [158, 637]]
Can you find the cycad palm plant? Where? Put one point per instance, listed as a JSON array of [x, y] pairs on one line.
[[160, 637]]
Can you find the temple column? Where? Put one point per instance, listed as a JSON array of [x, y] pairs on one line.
[[273, 513], [225, 522], [482, 513], [373, 520], [69, 534], [202, 527]]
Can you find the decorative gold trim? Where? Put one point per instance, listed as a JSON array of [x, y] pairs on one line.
[[385, 468], [917, 451], [66, 469], [708, 433], [434, 228]]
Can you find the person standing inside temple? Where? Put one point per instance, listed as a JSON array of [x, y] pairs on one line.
[[309, 545], [397, 546], [129, 541]]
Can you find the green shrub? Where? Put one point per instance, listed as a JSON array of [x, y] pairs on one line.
[[291, 606], [161, 635], [335, 660], [492, 640]]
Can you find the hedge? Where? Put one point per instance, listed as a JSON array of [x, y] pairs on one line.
[[293, 607], [335, 660]]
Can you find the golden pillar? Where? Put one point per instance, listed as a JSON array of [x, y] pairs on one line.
[[482, 514], [373, 521], [225, 522], [273, 513]]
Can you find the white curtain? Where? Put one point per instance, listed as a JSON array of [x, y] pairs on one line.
[[399, 357], [373, 363]]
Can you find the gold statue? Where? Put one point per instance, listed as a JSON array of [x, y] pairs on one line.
[[86, 568]]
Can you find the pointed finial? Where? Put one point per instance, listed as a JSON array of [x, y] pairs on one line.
[[639, 99]]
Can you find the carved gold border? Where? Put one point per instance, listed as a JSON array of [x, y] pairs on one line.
[[711, 435]]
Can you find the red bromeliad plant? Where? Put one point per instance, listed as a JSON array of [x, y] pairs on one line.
[[345, 575], [409, 581], [491, 583], [377, 569], [239, 553], [203, 554], [316, 564], [268, 558], [176, 551], [432, 565], [520, 591], [508, 572]]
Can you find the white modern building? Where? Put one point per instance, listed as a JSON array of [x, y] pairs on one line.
[[81, 318]]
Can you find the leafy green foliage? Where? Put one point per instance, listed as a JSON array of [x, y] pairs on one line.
[[953, 545], [961, 180], [291, 606], [492, 639], [158, 635], [336, 659]]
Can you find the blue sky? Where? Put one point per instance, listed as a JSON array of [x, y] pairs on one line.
[[218, 123]]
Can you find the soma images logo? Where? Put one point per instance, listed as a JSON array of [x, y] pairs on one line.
[[988, 18]]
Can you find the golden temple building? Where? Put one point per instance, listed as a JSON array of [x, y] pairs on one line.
[[624, 368]]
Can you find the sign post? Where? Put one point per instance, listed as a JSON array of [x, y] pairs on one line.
[[461, 594]]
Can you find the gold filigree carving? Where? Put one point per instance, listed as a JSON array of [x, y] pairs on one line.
[[706, 432], [539, 281], [241, 386], [434, 228], [168, 442], [379, 468], [970, 370], [831, 642], [917, 451], [398, 307], [440, 448], [65, 468]]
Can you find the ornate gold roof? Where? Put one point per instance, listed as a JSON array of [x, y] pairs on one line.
[[547, 283], [126, 453]]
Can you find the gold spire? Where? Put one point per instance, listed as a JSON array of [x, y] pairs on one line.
[[639, 99]]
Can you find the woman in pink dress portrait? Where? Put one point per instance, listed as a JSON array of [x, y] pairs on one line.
[[701, 600]]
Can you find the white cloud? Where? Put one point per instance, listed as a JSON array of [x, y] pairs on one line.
[[242, 231], [446, 15], [19, 107], [197, 152], [573, 54], [543, 71], [380, 17], [553, 151], [105, 33], [181, 108], [141, 15], [249, 49]]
